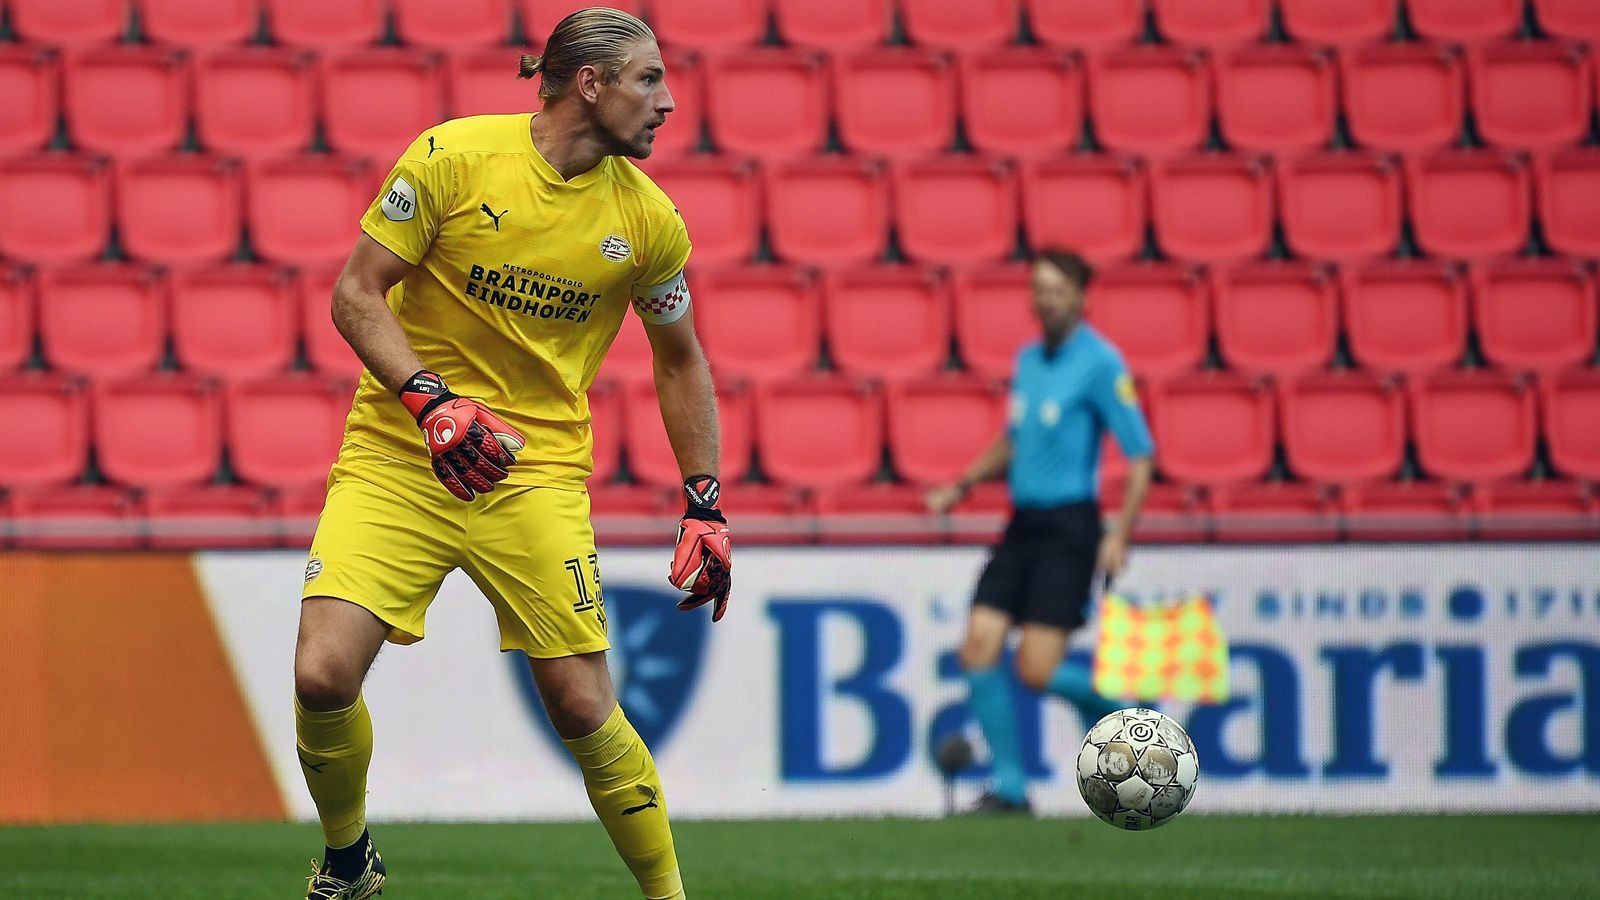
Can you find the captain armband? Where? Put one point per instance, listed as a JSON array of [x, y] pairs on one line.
[[662, 304]]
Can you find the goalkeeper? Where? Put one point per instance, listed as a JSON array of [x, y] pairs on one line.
[[494, 269], [1069, 388]]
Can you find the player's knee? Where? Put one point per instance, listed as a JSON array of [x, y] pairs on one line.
[[1034, 674], [576, 713], [977, 655], [324, 685]]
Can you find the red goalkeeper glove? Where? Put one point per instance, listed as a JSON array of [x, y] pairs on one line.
[[471, 447], [703, 560]]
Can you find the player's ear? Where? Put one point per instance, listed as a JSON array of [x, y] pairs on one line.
[[587, 82]]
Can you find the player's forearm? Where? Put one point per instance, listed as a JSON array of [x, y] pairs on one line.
[[363, 317], [992, 463], [689, 412], [1140, 472]]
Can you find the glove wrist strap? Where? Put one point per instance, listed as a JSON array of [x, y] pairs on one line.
[[702, 493], [424, 391]]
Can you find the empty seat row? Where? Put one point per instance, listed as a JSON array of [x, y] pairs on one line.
[[260, 102], [1218, 430], [826, 23]]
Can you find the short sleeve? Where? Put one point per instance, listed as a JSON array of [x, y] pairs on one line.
[[1117, 403], [406, 214], [669, 252]]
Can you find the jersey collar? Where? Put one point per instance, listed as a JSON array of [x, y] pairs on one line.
[[549, 173]]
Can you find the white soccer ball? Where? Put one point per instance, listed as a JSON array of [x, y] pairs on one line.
[[1137, 769]]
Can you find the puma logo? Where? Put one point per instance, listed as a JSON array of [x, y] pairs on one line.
[[490, 213], [648, 804], [431, 147]]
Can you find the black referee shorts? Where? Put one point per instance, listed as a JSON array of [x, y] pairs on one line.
[[1043, 568]]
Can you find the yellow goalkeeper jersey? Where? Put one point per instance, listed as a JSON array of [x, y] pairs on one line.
[[520, 283]]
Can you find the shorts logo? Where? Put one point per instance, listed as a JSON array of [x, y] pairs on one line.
[[400, 204], [313, 569], [616, 248]]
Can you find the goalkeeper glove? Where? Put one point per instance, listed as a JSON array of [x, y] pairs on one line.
[[470, 446], [703, 561]]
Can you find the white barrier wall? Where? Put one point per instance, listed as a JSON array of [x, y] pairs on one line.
[[1389, 678]]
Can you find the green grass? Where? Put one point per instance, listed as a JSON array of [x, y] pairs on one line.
[[1196, 857]]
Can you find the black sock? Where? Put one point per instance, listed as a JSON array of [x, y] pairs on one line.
[[348, 861]]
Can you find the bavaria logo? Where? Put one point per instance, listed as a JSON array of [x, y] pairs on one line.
[[615, 248], [656, 656]]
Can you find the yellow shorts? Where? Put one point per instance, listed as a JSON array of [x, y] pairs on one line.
[[390, 533]]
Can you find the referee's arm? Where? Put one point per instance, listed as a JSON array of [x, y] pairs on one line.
[[1117, 404], [993, 462]]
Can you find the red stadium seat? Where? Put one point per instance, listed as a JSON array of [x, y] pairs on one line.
[[266, 453], [890, 322], [877, 514], [307, 210], [1274, 512], [938, 426], [1469, 204], [606, 427], [158, 431], [376, 102], [452, 24], [1537, 510], [199, 24], [481, 83], [708, 25], [72, 23], [1277, 318], [1473, 426], [103, 320], [297, 513], [1276, 99], [209, 517], [180, 209], [1343, 427], [539, 17], [1535, 313], [898, 102], [1405, 97], [1575, 19], [1569, 200], [719, 201], [632, 503], [1344, 206], [234, 321], [17, 317], [86, 517], [820, 432], [1150, 100], [1407, 511], [1097, 205], [1408, 316], [1022, 102], [326, 349], [1571, 424], [256, 102], [994, 318], [126, 100], [1212, 208], [1212, 23], [1465, 21], [29, 78], [326, 26], [1339, 22], [960, 24], [56, 413], [759, 323], [1158, 315], [1531, 96], [769, 103], [832, 25], [1091, 24], [630, 360], [1173, 513], [686, 81], [828, 211], [1213, 429], [956, 211], [54, 209], [650, 456]]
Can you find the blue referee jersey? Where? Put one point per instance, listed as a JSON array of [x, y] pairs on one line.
[[1061, 405]]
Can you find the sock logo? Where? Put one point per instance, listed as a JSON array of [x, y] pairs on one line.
[[650, 792]]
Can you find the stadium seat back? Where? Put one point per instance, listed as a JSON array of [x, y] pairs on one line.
[[326, 349], [1212, 23], [719, 201], [256, 102], [821, 432], [1343, 427], [157, 431], [650, 456], [307, 210], [761, 324], [889, 322], [1213, 429], [126, 100], [707, 25], [994, 318], [1339, 22], [54, 410], [326, 26], [234, 321], [898, 102], [1095, 205], [1089, 24], [1154, 101], [1026, 103], [1535, 314], [1276, 99], [829, 211], [376, 102], [1404, 97], [29, 80], [1345, 206], [180, 210], [1158, 316], [960, 24], [18, 315], [1575, 19], [956, 212], [1465, 21], [199, 24], [54, 210], [1214, 209], [1531, 96], [451, 24], [264, 452], [938, 426], [1473, 426], [1469, 204], [70, 23], [832, 25], [1408, 317], [768, 103], [1277, 318], [1571, 424], [105, 320], [1568, 182]]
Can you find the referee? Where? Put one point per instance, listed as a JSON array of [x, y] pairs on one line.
[[1069, 388]]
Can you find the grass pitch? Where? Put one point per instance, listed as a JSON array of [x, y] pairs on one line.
[[881, 859]]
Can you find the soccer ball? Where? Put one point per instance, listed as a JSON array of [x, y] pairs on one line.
[[1137, 769]]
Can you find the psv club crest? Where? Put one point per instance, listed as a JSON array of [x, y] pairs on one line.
[[615, 248]]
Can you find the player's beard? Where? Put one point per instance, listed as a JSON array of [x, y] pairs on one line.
[[634, 143]]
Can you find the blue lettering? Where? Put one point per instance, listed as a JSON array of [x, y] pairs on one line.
[[1355, 670], [802, 695], [1268, 606], [1280, 752], [1528, 725], [1466, 714]]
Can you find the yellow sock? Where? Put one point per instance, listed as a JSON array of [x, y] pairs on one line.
[[626, 793], [335, 750]]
